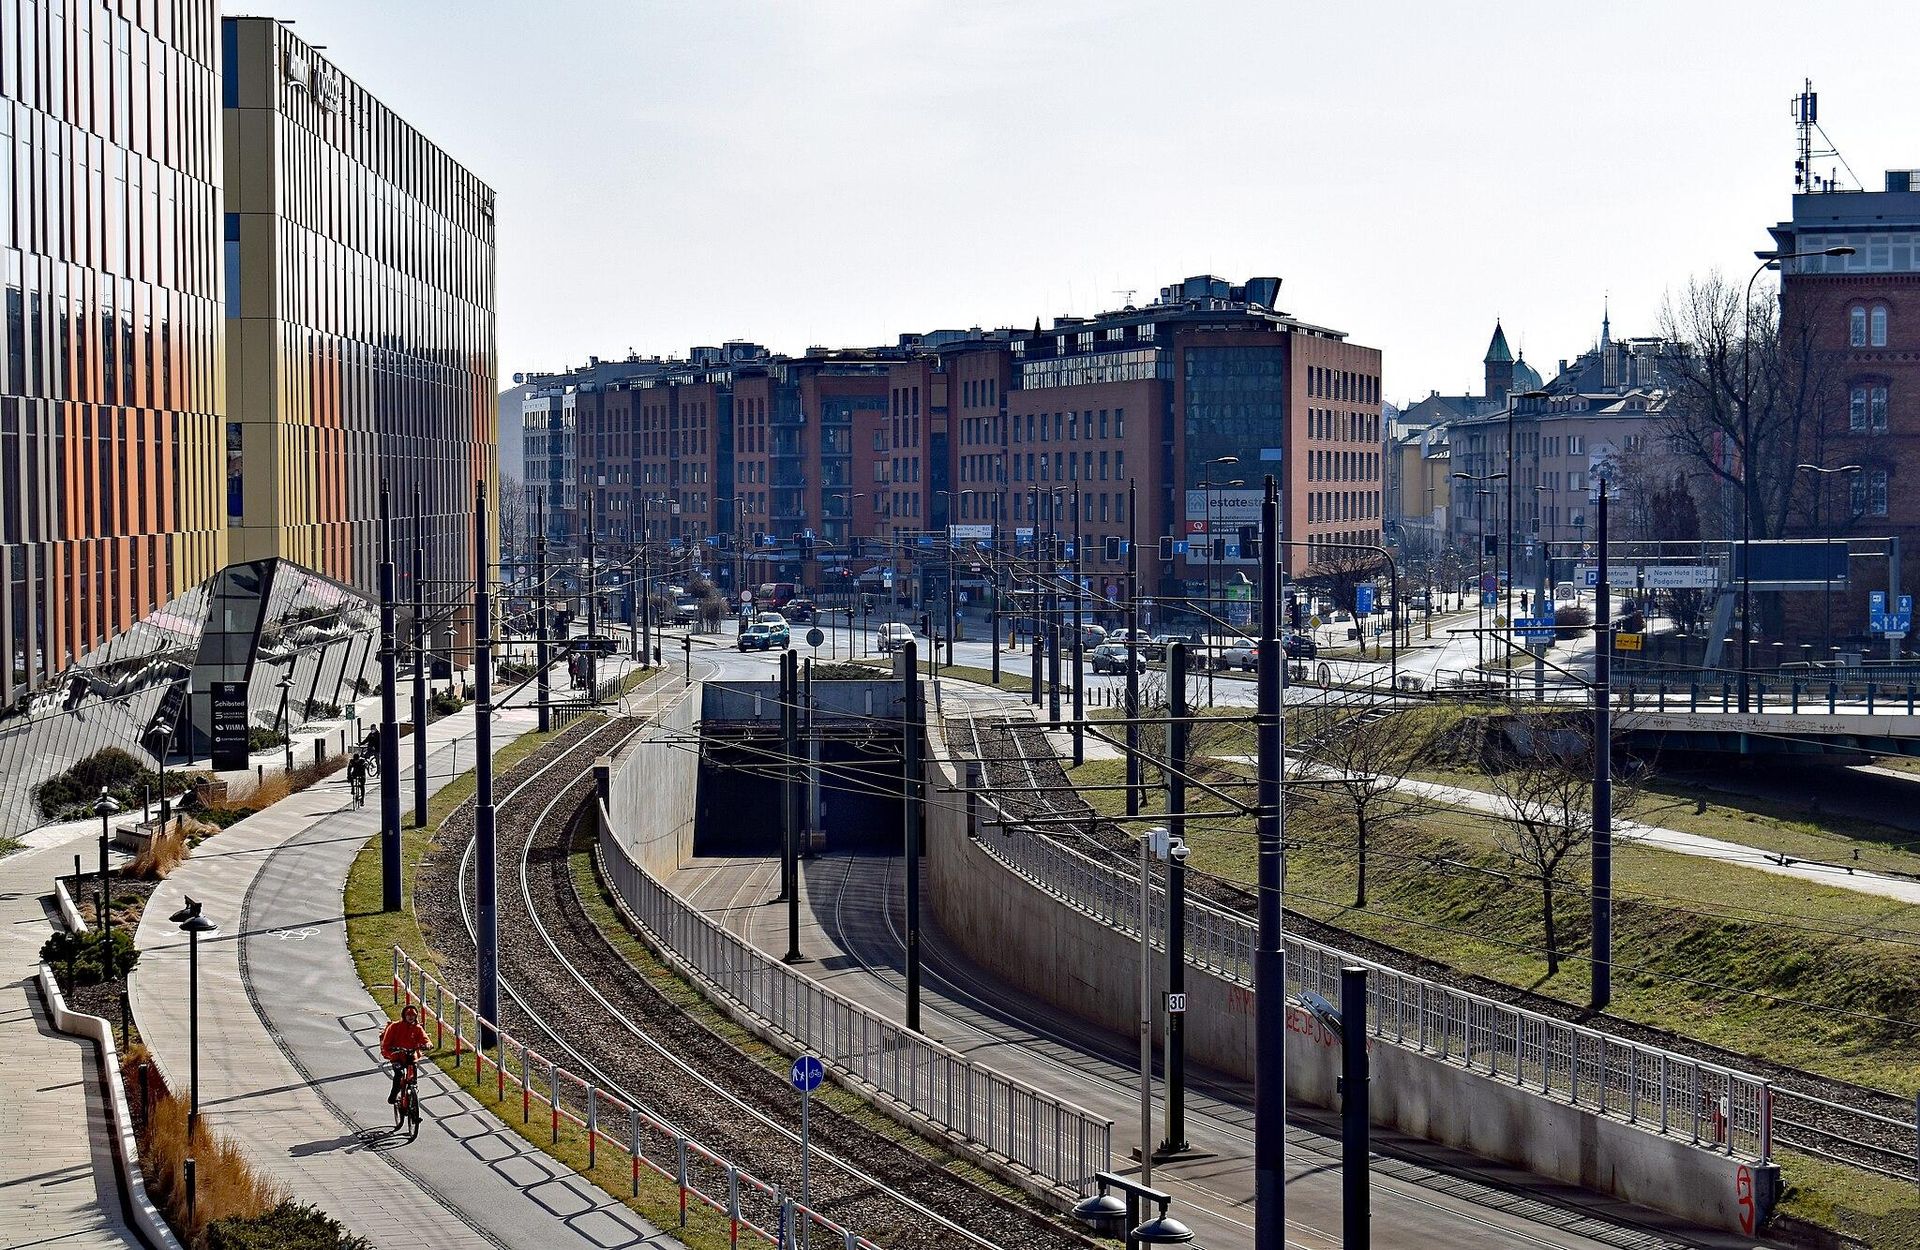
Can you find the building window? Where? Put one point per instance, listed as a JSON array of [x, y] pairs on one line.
[[1857, 326], [1867, 409], [1877, 320]]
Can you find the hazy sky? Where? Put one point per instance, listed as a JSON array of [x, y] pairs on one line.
[[802, 172]]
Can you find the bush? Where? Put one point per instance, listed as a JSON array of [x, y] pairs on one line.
[[160, 856], [713, 610], [85, 956], [288, 1226], [1570, 620], [445, 703], [260, 738], [72, 793]]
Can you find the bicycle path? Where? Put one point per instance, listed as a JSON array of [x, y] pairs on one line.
[[57, 1182], [289, 1041]]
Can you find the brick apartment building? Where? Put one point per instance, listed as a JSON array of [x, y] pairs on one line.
[[1001, 428], [1865, 311]]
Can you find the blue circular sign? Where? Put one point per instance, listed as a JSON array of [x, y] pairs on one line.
[[807, 1073]]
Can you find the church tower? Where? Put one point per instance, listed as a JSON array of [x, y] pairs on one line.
[[1499, 365]]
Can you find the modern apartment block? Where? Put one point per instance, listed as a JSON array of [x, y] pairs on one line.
[[112, 376], [360, 320]]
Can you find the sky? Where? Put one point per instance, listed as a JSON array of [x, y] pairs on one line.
[[816, 172]]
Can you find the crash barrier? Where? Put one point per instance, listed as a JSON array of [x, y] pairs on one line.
[[1046, 1136]]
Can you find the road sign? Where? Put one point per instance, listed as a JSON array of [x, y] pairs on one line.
[[815, 637], [1877, 611], [1363, 600], [807, 1073], [746, 596], [1313, 622], [1682, 576], [1534, 628], [1489, 598], [1176, 1004], [1619, 576], [1626, 642]]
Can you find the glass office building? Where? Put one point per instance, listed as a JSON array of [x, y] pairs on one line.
[[360, 322], [111, 376]]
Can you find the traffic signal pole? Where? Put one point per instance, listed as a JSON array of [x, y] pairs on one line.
[[390, 886], [486, 920], [1270, 956]]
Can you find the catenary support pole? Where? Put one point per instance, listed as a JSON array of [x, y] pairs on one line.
[[1133, 634], [390, 891], [1146, 1007], [541, 655], [910, 737], [993, 611], [1079, 645], [419, 667], [1602, 975], [795, 790], [590, 658], [1179, 734], [1269, 958], [1355, 1220], [486, 921]]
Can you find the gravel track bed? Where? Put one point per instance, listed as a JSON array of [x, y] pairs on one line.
[[664, 1090], [1798, 1121]]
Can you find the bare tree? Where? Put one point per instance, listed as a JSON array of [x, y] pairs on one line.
[[1358, 762], [1545, 813], [1340, 571]]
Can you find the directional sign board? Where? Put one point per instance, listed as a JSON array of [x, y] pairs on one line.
[[1682, 576], [1363, 600], [1619, 576], [1882, 621], [807, 1073], [1627, 642], [1534, 628]]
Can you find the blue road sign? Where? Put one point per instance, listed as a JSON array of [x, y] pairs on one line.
[[807, 1073], [1363, 600], [1534, 627], [1877, 611], [1489, 598], [1179, 546], [1902, 616]]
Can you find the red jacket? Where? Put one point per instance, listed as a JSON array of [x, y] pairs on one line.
[[401, 1037]]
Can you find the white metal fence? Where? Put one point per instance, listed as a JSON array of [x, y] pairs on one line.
[[1667, 1093], [575, 1107], [1047, 1136]]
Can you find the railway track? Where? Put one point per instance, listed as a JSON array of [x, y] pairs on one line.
[[1853, 1124], [563, 982]]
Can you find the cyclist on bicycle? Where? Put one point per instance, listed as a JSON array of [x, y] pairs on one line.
[[357, 779], [399, 1043]]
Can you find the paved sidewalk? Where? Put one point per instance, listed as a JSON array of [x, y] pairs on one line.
[[57, 1182], [289, 1063]]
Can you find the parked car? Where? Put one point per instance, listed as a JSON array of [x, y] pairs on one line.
[[1241, 653], [1300, 647], [894, 635], [1114, 657]]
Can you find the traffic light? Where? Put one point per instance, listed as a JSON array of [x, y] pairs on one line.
[[1166, 548], [1249, 542], [1219, 549], [926, 624], [1113, 549], [1491, 545]]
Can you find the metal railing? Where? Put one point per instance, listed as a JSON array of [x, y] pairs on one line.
[[1049, 1137], [1667, 1093], [572, 1104]]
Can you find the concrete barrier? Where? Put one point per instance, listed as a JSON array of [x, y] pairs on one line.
[[120, 1137], [656, 790], [1065, 956]]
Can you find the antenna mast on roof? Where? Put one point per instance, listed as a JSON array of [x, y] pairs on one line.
[[1805, 110]]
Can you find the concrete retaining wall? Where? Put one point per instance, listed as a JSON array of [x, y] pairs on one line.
[[1035, 941], [655, 791]]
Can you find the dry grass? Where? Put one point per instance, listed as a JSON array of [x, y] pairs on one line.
[[159, 856], [225, 1184]]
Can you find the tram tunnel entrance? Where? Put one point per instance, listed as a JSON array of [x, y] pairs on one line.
[[847, 767]]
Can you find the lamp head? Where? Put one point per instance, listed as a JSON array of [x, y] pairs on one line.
[[1162, 1230], [106, 804], [1102, 1212]]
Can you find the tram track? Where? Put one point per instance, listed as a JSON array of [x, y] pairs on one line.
[[562, 981]]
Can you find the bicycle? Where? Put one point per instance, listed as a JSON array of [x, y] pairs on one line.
[[406, 1106], [357, 783]]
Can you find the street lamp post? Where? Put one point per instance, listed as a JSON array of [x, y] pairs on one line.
[[1826, 568], [1206, 483], [1768, 260], [193, 924], [105, 806], [286, 737]]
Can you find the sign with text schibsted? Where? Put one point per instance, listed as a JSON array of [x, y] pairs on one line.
[[229, 728]]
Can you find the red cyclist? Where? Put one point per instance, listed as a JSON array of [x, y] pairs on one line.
[[399, 1042]]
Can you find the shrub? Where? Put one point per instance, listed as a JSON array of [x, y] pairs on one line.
[[713, 610], [85, 956], [287, 1226], [1570, 620], [226, 1187], [159, 856], [445, 703], [72, 793], [260, 738]]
